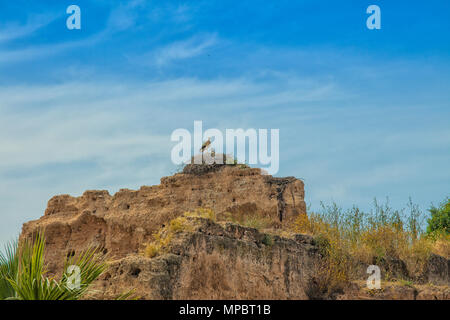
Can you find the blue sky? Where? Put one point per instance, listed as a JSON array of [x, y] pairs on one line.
[[362, 113]]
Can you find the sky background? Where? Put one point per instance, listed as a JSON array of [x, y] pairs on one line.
[[362, 113]]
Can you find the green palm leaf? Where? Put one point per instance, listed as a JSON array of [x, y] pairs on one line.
[[24, 274], [9, 265], [91, 264]]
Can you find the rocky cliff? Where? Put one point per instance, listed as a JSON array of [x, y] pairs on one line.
[[214, 261], [207, 260], [123, 223]]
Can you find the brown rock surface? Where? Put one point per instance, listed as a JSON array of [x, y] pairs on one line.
[[124, 222], [217, 262], [213, 260]]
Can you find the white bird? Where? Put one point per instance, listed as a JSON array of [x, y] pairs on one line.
[[205, 145]]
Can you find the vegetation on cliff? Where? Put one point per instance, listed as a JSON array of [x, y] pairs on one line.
[[384, 236], [347, 240], [439, 222]]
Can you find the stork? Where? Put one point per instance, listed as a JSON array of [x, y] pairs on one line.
[[205, 145]]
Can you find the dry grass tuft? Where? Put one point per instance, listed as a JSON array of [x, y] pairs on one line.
[[163, 237], [205, 213], [251, 221], [441, 245]]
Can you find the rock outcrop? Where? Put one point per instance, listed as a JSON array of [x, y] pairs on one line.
[[208, 260], [216, 261], [121, 224]]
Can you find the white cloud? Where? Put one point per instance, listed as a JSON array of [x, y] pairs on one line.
[[124, 16], [37, 52], [181, 13], [120, 18], [50, 124], [13, 30], [184, 49]]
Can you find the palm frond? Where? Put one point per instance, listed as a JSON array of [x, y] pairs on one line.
[[9, 265], [31, 281], [91, 264], [128, 295]]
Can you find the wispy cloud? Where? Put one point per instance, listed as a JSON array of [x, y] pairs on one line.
[[124, 16], [37, 52], [14, 30], [182, 13], [120, 18], [184, 49]]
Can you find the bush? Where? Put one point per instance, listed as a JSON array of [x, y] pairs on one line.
[[255, 222], [267, 240], [440, 219], [163, 237]]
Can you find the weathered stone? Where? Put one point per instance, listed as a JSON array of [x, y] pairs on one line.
[[124, 222], [215, 262]]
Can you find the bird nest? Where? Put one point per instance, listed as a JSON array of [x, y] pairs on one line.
[[206, 166]]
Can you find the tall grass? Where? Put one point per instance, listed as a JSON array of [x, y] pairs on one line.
[[348, 238]]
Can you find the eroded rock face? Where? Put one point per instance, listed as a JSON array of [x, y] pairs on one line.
[[213, 260], [124, 222], [217, 262]]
